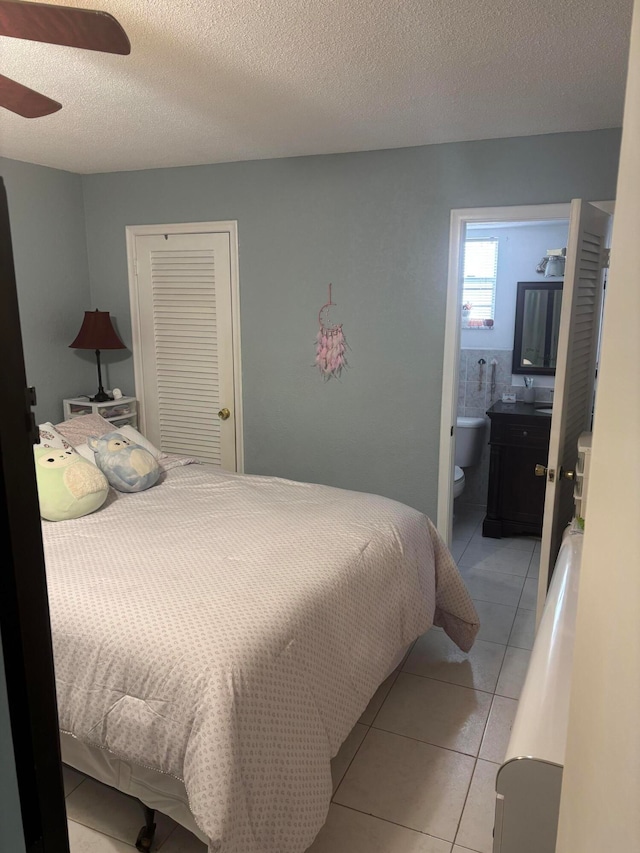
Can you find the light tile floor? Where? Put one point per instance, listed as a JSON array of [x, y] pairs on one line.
[[417, 773]]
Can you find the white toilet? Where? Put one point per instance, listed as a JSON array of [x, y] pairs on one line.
[[470, 434]]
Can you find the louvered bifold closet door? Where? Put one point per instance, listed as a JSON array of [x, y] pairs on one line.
[[575, 372], [184, 292]]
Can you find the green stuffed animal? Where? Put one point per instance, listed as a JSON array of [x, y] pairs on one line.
[[68, 485]]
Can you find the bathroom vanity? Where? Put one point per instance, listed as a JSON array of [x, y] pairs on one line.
[[519, 440]]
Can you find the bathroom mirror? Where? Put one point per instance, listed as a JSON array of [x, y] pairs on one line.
[[535, 344]]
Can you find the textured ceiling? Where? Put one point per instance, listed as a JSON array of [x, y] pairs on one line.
[[247, 79]]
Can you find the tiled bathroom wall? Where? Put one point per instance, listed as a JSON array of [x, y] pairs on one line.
[[476, 394]]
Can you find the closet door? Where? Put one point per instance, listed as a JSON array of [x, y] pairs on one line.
[[184, 355]]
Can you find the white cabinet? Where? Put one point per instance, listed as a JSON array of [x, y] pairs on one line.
[[118, 412]]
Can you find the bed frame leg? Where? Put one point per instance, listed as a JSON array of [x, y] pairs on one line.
[[146, 834]]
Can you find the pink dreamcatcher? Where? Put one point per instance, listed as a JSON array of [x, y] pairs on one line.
[[331, 345]]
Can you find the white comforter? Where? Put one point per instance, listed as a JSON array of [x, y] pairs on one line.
[[229, 630]]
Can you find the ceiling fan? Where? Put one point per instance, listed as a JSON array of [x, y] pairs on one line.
[[63, 25]]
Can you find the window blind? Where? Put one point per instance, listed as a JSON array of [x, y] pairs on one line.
[[479, 277]]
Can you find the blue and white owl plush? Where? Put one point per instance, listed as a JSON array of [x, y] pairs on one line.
[[127, 466]]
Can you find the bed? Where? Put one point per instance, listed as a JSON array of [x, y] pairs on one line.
[[217, 637]]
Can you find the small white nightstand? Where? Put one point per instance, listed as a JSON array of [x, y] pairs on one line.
[[119, 412]]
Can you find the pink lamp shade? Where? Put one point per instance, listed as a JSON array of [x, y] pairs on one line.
[[97, 332]]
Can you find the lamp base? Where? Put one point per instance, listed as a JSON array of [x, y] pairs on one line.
[[101, 397]]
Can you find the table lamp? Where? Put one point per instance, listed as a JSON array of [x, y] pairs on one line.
[[97, 333]]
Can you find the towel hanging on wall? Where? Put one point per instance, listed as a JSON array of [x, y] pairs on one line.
[[331, 344]]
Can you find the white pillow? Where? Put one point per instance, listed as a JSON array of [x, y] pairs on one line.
[[50, 437], [138, 438], [128, 432], [86, 452]]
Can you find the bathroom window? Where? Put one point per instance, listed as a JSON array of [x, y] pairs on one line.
[[479, 282]]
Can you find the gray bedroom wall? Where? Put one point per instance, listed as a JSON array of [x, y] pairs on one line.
[[376, 224], [11, 834], [52, 274]]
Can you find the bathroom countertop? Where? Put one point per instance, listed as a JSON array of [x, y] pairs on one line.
[[518, 408]]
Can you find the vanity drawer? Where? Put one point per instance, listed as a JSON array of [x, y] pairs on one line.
[[520, 434]]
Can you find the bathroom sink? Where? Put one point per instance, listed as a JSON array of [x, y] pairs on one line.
[[545, 411]]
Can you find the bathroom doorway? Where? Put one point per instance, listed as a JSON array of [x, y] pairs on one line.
[[491, 250], [498, 259], [486, 267]]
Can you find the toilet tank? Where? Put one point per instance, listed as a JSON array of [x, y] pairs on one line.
[[470, 437]]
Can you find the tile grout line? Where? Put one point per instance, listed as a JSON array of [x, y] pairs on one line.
[[494, 571], [466, 798], [395, 823], [369, 726], [502, 695], [490, 601], [175, 829], [375, 716], [350, 763], [463, 551], [105, 834], [75, 788], [510, 606], [452, 683], [484, 731], [531, 560], [429, 743], [519, 600], [491, 562], [495, 693], [487, 541]]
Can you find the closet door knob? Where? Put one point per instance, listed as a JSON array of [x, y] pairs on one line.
[[224, 414]]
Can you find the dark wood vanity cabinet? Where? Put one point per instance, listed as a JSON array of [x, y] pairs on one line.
[[519, 440]]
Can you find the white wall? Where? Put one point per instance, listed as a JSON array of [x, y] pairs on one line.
[[600, 806], [520, 248]]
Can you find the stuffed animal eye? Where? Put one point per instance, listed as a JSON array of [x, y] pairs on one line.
[[59, 460]]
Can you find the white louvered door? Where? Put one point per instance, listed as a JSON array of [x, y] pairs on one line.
[[575, 374], [186, 344]]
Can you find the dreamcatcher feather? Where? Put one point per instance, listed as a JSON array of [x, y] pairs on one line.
[[331, 345]]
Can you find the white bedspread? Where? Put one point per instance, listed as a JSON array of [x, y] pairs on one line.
[[229, 630]]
